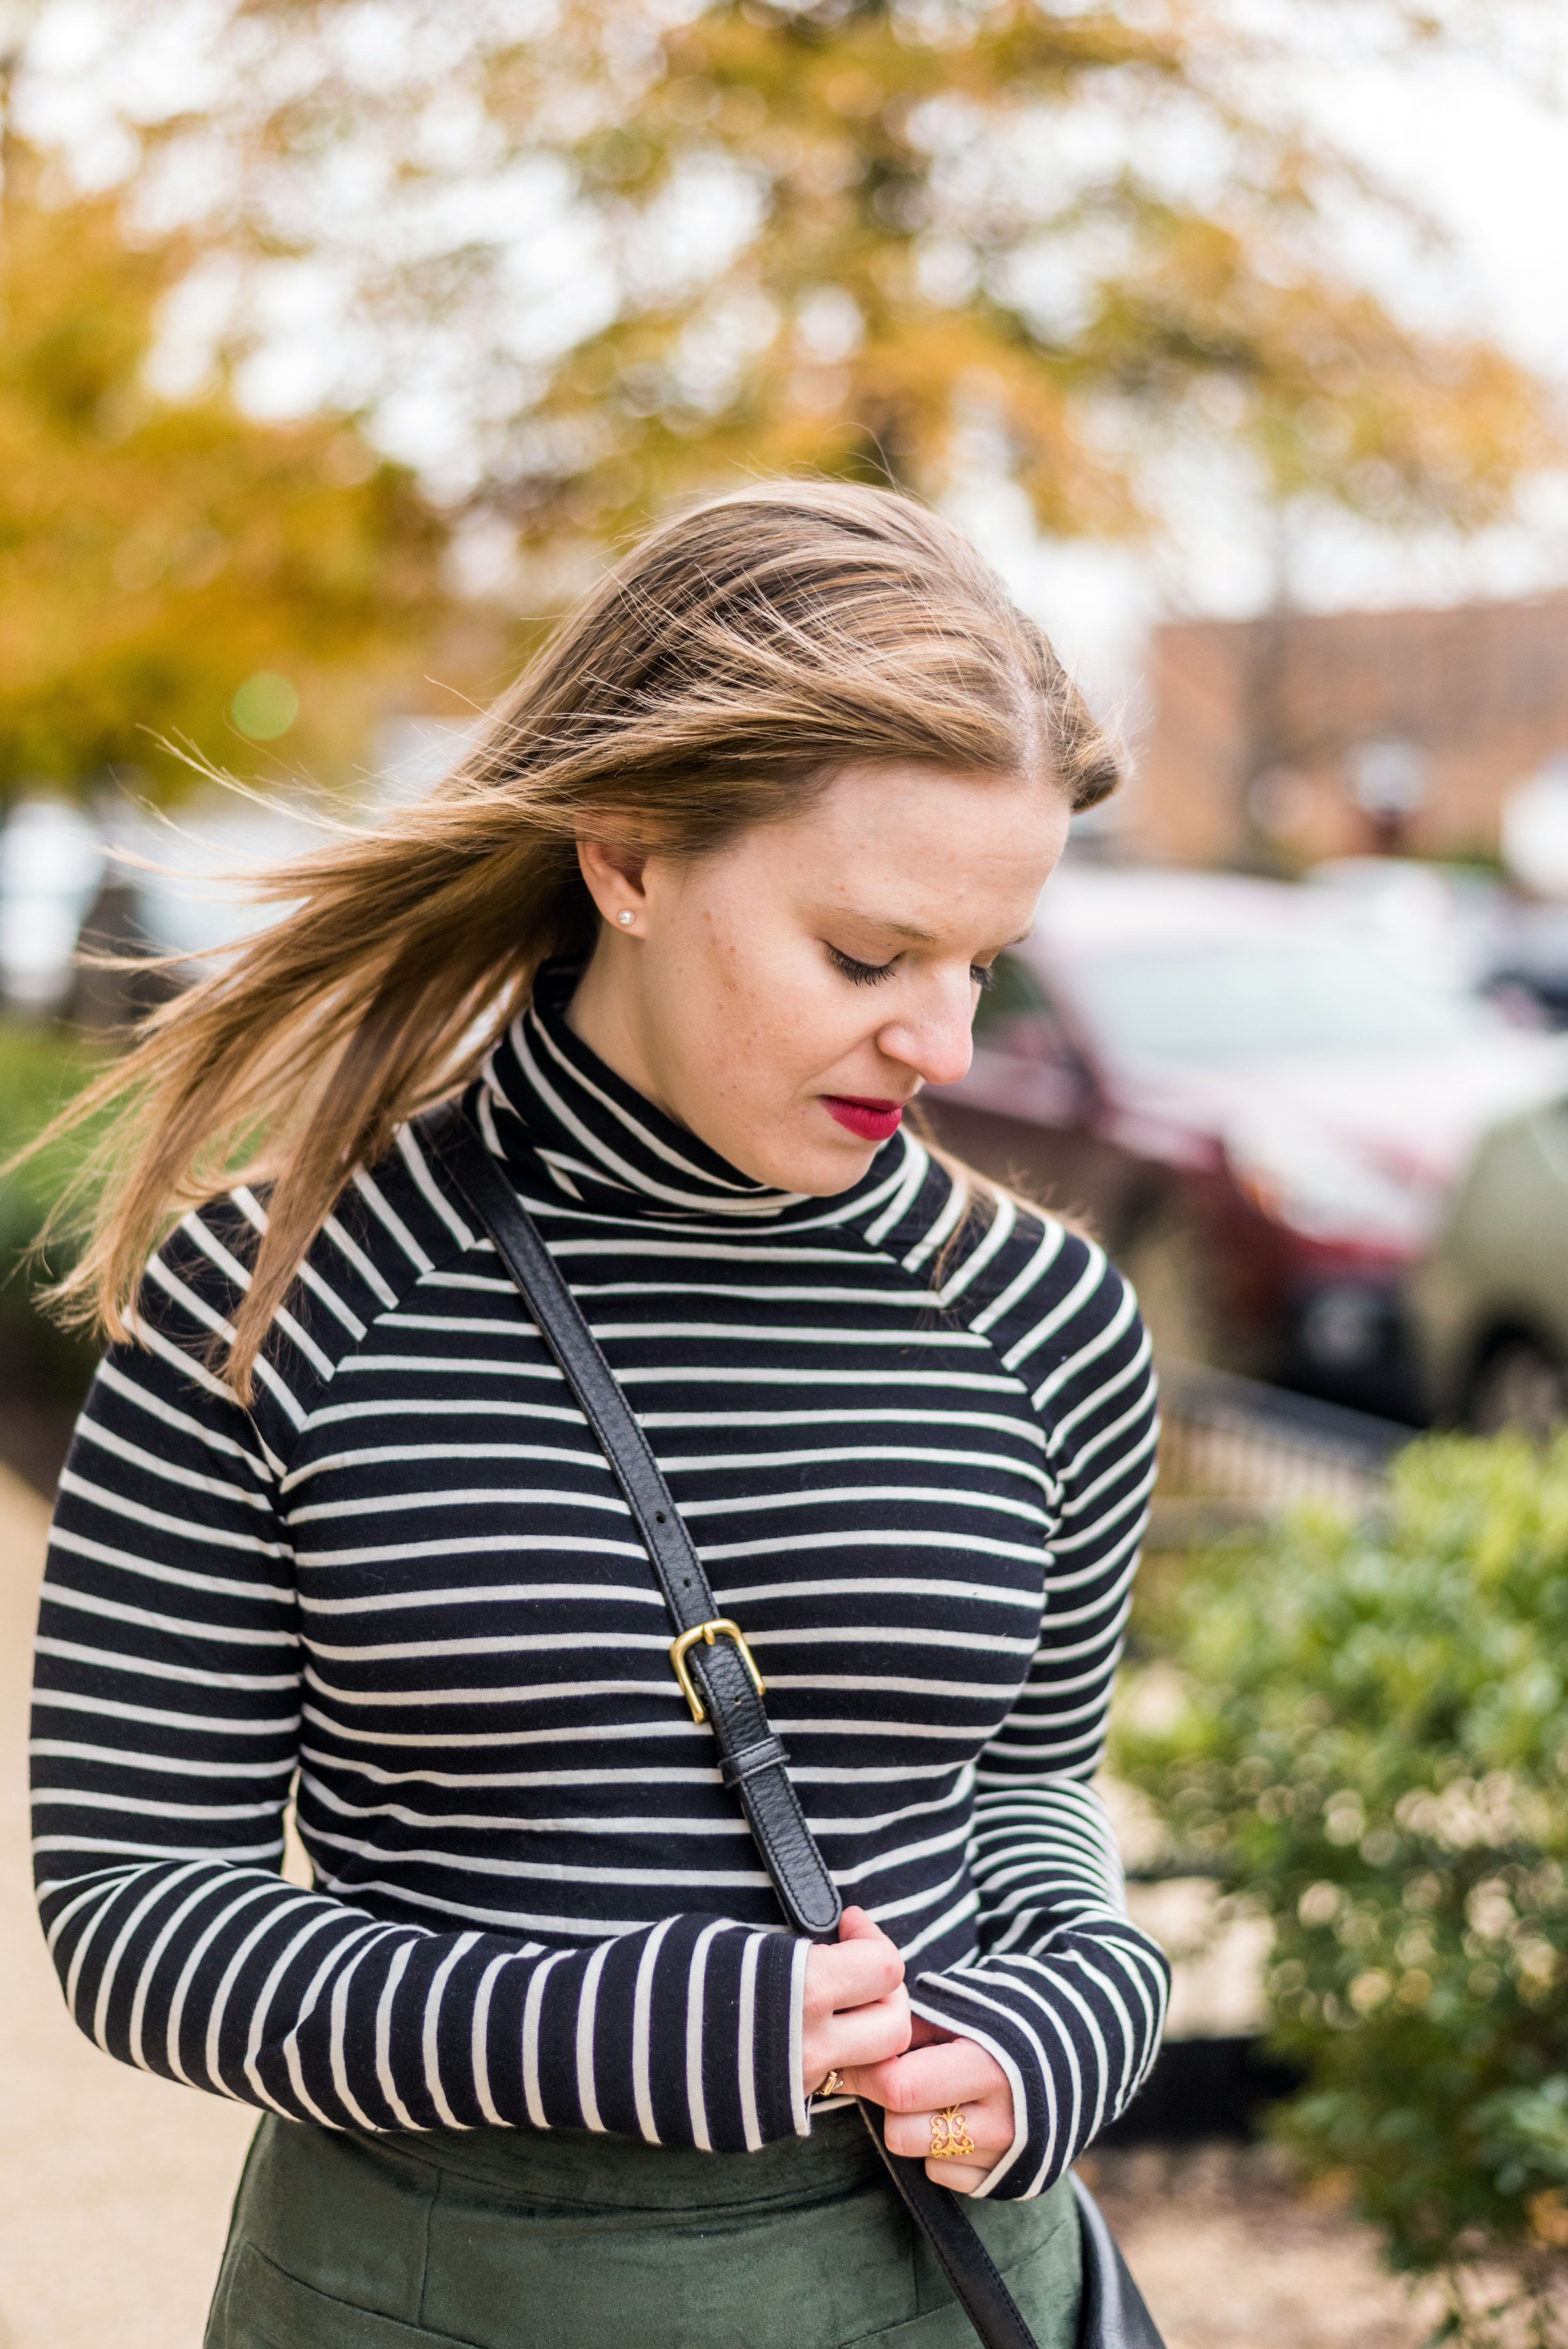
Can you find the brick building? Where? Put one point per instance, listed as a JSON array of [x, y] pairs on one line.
[[1301, 735]]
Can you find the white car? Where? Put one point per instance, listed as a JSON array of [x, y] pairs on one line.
[[1491, 1304]]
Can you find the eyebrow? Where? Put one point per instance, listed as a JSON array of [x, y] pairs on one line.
[[909, 930]]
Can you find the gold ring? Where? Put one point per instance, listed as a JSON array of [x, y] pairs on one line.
[[949, 2137], [833, 2086]]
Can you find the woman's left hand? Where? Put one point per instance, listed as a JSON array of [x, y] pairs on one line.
[[936, 2073]]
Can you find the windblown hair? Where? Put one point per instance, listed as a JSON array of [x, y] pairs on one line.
[[717, 676]]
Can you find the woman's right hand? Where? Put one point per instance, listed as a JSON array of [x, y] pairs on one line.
[[857, 2008]]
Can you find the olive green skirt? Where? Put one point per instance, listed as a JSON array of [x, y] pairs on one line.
[[495, 2239]]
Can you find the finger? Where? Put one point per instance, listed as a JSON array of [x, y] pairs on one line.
[[854, 1976], [865, 2036], [926, 2078], [956, 2175], [859, 1925], [928, 2034], [989, 2127]]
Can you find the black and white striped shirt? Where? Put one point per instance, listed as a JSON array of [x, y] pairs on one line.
[[917, 1473]]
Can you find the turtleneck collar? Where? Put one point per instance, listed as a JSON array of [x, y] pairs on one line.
[[552, 1107]]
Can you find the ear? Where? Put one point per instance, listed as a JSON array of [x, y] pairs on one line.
[[613, 871]]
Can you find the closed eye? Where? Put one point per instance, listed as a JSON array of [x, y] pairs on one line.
[[860, 974], [867, 974]]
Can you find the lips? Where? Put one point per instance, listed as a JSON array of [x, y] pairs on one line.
[[873, 1120]]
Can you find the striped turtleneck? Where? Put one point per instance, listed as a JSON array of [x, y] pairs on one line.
[[402, 1586]]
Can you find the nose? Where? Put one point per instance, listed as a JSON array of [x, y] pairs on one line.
[[938, 1042]]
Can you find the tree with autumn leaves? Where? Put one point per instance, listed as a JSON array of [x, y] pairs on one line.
[[932, 252], [860, 235], [176, 578], [628, 250]]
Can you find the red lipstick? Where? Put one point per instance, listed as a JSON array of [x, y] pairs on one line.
[[873, 1120]]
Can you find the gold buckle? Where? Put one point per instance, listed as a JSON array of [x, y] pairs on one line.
[[706, 1631]]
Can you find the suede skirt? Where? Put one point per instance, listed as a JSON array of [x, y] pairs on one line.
[[489, 2239]]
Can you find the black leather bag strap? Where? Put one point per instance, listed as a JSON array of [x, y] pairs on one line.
[[717, 1676], [720, 1678]]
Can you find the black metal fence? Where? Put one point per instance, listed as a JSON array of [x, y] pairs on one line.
[[1232, 1443]]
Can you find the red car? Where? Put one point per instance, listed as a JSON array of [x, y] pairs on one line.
[[1257, 1109]]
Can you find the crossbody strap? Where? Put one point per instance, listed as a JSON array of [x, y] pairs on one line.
[[720, 1683], [710, 1655]]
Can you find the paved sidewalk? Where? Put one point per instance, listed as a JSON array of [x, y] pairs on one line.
[[1230, 2256], [113, 2187]]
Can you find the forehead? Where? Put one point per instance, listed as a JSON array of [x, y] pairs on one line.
[[889, 808], [912, 846]]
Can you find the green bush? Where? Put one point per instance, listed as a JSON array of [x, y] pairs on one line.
[[40, 1067], [1364, 1732]]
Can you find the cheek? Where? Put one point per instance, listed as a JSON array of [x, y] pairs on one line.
[[719, 1004], [771, 1016]]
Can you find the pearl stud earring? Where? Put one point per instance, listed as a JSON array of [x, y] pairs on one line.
[[625, 919]]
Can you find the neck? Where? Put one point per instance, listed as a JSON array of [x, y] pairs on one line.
[[584, 1130], [603, 1012]]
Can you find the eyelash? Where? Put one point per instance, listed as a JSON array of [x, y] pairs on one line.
[[867, 974]]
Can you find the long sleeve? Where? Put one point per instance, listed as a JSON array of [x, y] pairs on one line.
[[403, 1584], [1064, 1991], [169, 1702]]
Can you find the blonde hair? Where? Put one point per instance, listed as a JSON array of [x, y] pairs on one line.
[[721, 672]]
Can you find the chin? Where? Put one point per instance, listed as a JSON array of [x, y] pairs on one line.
[[823, 1172]]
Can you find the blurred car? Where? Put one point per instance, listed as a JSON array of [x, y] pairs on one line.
[[1259, 1108], [1491, 1305], [117, 879], [1449, 920], [1531, 955], [51, 869]]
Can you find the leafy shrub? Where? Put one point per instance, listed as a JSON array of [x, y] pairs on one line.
[[1364, 1730], [40, 1067]]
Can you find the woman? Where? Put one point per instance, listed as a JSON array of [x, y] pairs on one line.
[[708, 904]]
